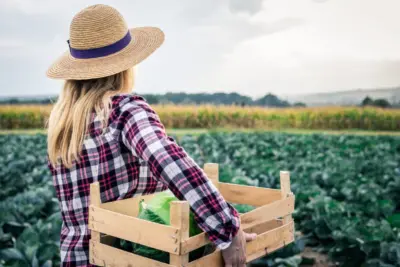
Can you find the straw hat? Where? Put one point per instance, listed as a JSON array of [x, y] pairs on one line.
[[101, 45]]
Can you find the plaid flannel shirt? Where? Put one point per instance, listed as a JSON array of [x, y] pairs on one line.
[[133, 156]]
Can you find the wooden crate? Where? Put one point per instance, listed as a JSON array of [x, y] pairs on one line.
[[271, 220]]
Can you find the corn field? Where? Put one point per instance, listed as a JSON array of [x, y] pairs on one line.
[[173, 116]]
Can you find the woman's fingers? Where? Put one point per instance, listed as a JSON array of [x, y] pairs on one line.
[[242, 262], [250, 237], [236, 261], [235, 254], [239, 255]]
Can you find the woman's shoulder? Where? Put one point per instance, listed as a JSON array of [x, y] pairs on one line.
[[119, 100], [130, 103], [127, 101], [129, 109]]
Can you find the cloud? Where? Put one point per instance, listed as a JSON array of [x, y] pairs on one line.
[[320, 1], [249, 6], [248, 46], [42, 7], [283, 25], [296, 73], [10, 43]]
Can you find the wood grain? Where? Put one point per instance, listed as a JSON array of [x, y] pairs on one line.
[[249, 195], [162, 237]]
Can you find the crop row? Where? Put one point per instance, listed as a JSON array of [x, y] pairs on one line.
[[347, 193], [347, 187], [334, 118]]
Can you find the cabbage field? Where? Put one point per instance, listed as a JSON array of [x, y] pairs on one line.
[[347, 193]]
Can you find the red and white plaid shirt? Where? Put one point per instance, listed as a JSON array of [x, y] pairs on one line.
[[134, 156]]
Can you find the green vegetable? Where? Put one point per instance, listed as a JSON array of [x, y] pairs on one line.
[[157, 210], [347, 193]]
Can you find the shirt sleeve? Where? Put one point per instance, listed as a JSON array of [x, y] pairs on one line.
[[144, 135]]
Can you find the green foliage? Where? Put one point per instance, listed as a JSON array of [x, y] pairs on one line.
[[149, 215], [347, 187], [157, 210], [347, 194], [271, 100], [30, 222], [24, 164], [367, 101], [299, 105], [380, 102]]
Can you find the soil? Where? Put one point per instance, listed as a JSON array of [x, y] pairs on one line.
[[321, 260]]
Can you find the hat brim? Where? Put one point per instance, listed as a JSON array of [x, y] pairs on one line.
[[145, 40]]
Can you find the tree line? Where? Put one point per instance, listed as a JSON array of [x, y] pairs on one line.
[[269, 100], [380, 102]]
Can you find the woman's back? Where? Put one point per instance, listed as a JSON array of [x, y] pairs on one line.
[[107, 160], [99, 131], [134, 156]]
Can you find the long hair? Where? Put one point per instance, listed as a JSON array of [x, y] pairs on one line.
[[70, 117]]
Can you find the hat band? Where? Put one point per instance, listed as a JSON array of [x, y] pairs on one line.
[[101, 51]]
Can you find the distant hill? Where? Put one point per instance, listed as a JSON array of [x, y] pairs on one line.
[[340, 98], [350, 97]]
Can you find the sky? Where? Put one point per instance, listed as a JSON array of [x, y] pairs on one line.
[[252, 47]]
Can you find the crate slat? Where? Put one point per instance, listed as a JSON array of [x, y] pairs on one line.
[[286, 191], [212, 260], [129, 206], [200, 240], [268, 212], [162, 237], [264, 226], [194, 242], [180, 218], [280, 244], [264, 244], [212, 172], [95, 201], [104, 255], [268, 239], [249, 195]]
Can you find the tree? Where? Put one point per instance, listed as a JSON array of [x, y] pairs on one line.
[[151, 99], [367, 102], [382, 103], [13, 101], [299, 105], [271, 100]]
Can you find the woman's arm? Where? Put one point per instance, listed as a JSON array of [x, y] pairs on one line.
[[145, 136]]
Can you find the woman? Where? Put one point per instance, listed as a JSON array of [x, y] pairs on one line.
[[99, 131]]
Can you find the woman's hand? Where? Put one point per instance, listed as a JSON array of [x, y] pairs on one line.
[[235, 254]]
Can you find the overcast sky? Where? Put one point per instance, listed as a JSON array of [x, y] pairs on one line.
[[247, 46]]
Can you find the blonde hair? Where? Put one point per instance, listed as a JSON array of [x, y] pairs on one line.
[[70, 117]]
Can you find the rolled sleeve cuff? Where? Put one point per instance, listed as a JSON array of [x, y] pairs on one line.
[[236, 225], [224, 245]]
